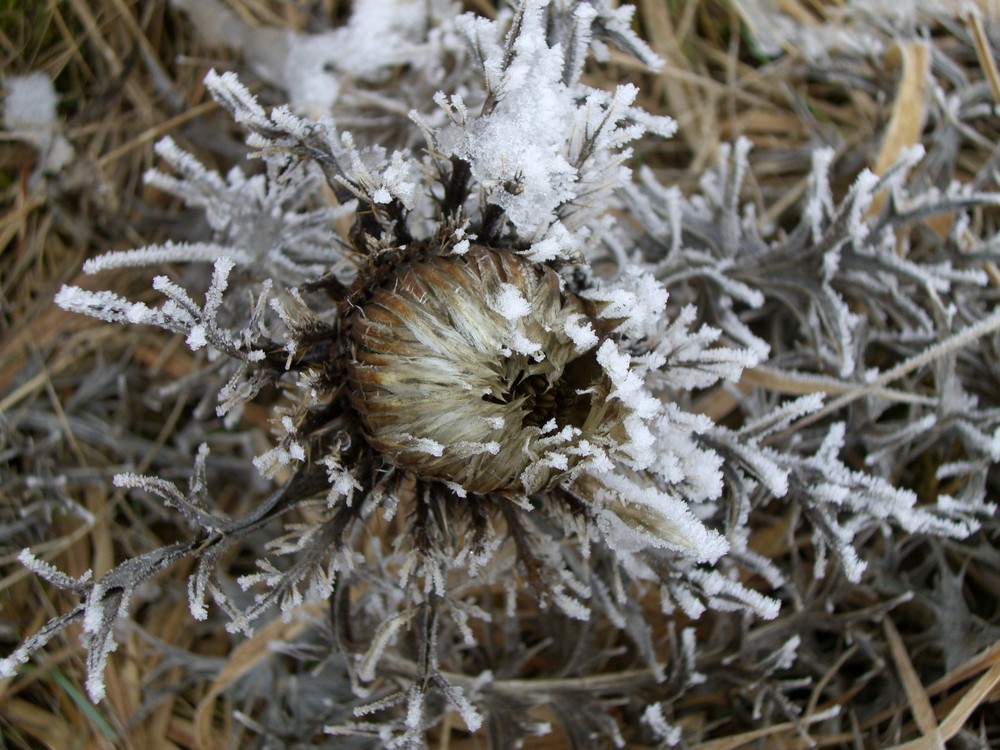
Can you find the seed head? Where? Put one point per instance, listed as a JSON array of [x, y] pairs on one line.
[[479, 370]]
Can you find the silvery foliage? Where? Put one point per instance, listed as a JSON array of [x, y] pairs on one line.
[[518, 152], [839, 259]]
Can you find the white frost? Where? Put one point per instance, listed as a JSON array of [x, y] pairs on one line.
[[510, 303], [30, 113]]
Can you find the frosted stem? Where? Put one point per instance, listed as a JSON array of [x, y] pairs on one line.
[[950, 344]]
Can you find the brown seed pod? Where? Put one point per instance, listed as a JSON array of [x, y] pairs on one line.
[[480, 371]]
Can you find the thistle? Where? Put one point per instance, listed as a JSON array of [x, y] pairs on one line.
[[458, 378], [486, 398]]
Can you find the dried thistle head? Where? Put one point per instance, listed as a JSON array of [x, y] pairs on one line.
[[470, 369]]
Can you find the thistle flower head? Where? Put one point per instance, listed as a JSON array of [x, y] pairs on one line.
[[473, 368]]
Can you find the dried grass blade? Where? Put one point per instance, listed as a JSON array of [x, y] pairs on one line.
[[151, 134], [976, 695], [974, 22], [954, 721], [988, 63], [801, 384], [920, 704], [981, 661], [909, 110], [746, 738], [953, 343], [52, 731], [244, 658]]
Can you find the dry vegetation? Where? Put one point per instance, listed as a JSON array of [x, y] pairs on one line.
[[911, 655]]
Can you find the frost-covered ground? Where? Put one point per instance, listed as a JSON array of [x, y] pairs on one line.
[[608, 376]]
